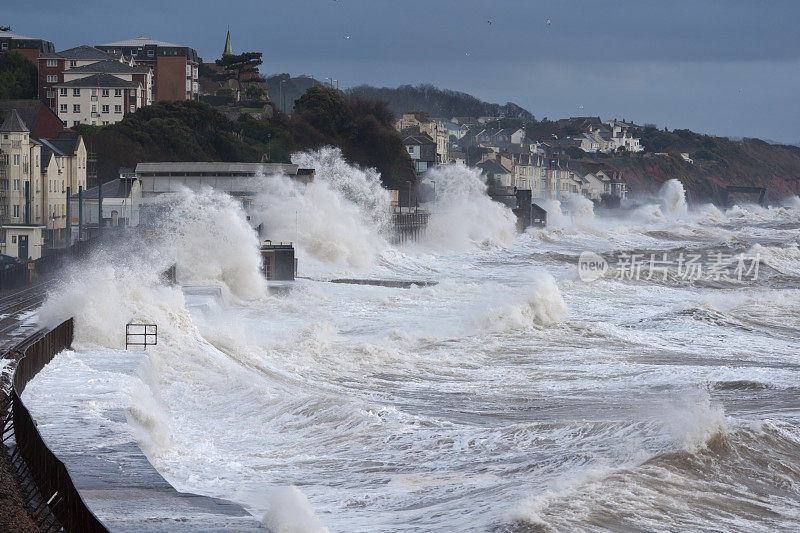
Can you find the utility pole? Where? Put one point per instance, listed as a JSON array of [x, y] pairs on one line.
[[80, 212], [69, 219], [99, 209]]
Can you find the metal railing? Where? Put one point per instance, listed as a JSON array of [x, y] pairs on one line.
[[56, 489]]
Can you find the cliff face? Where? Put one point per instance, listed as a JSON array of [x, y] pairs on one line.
[[717, 163]]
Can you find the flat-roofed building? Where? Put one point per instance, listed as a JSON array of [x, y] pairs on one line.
[[30, 47], [236, 179]]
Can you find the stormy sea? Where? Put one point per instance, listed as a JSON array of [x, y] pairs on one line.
[[507, 393]]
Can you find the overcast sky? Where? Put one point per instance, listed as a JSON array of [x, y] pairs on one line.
[[728, 67]]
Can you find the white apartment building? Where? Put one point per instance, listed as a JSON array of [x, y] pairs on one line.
[[99, 99]]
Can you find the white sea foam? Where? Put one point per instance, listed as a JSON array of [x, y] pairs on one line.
[[289, 511], [542, 306]]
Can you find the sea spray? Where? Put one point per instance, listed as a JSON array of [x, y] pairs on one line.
[[672, 199], [205, 234], [542, 306], [289, 511], [463, 215], [339, 218], [579, 207]]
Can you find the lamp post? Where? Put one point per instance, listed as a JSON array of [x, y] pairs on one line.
[[283, 99]]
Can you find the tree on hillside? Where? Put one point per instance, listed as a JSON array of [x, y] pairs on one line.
[[362, 128], [254, 92], [241, 67], [18, 77]]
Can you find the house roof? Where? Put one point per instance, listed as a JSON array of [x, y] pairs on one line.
[[28, 109], [142, 41], [80, 53], [100, 80], [493, 167], [418, 138], [14, 123], [65, 144], [108, 66], [116, 188]]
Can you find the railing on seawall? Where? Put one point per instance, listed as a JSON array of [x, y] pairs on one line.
[[47, 471]]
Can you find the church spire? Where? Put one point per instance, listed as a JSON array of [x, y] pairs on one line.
[[228, 48]]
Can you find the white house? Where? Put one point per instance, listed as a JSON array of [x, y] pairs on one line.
[[98, 99]]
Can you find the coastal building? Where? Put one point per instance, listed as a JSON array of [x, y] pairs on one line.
[[35, 174], [29, 47], [52, 66], [174, 66], [236, 179], [422, 150], [419, 122], [98, 99], [497, 171]]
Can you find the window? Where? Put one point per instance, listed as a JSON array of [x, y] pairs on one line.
[[94, 108], [76, 122], [118, 109], [150, 53], [105, 123], [64, 122], [52, 78], [133, 92], [16, 210], [4, 46], [94, 92], [76, 92], [117, 92], [51, 94], [16, 185], [106, 92], [133, 108], [16, 160], [52, 62], [73, 63], [63, 108], [76, 108], [14, 238], [104, 108], [63, 91]]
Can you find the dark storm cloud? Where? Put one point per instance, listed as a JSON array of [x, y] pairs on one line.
[[676, 63]]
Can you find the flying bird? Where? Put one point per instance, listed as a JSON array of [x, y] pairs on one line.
[[466, 53], [548, 21], [347, 36], [490, 22]]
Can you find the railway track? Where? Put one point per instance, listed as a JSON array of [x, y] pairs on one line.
[[13, 309]]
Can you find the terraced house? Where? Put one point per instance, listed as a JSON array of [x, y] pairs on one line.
[[36, 175]]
